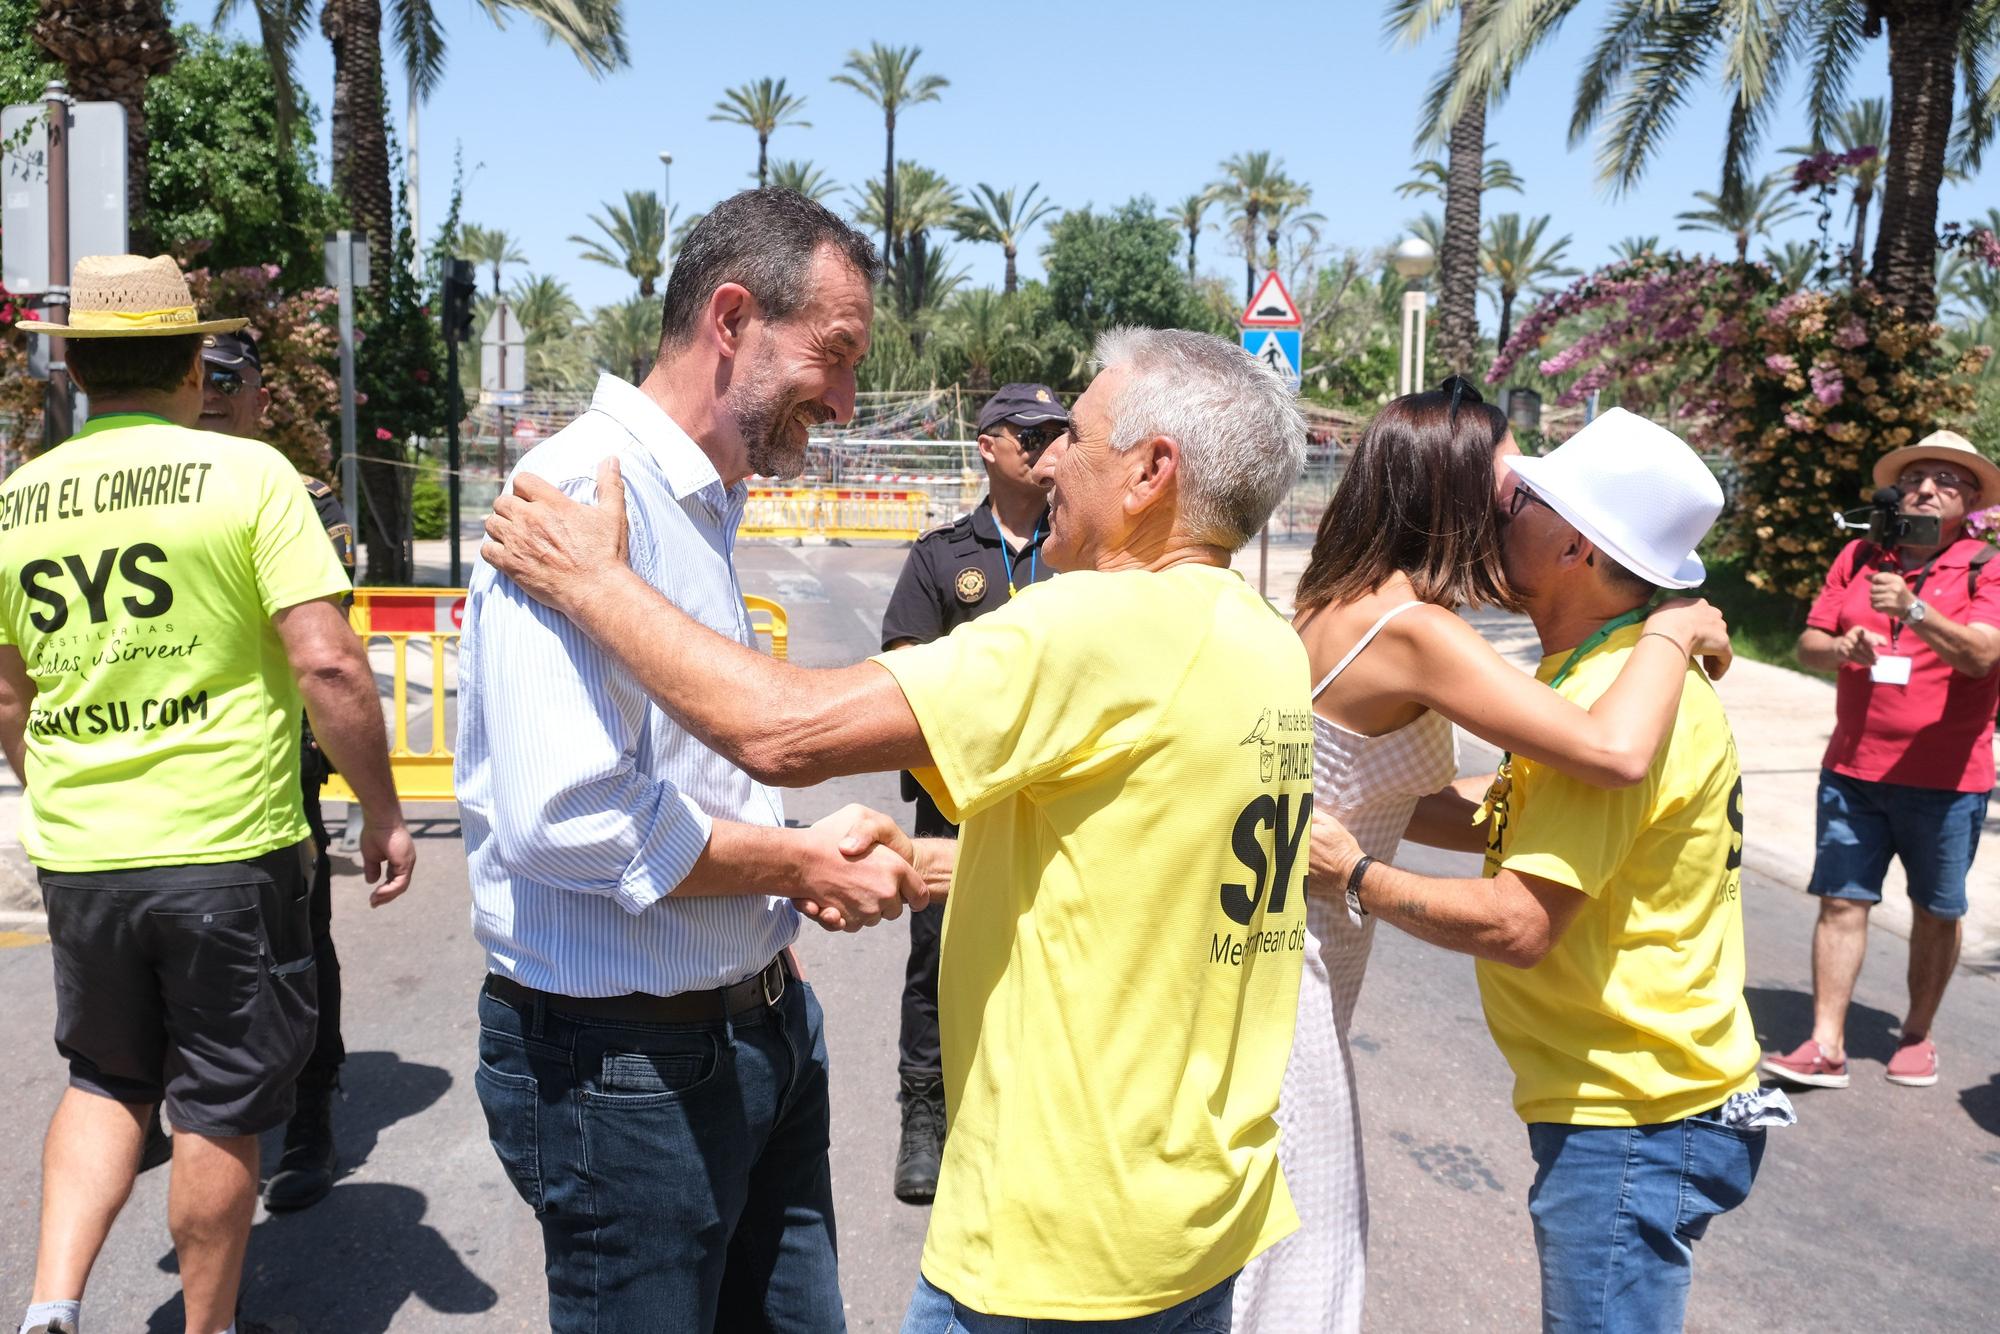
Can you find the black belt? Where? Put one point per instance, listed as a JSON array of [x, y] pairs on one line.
[[688, 1007]]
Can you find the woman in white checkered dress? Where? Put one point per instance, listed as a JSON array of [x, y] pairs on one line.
[[1412, 533]]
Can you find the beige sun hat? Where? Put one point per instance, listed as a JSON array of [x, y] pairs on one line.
[[1946, 447], [130, 296]]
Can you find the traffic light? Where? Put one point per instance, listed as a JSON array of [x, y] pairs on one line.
[[459, 289]]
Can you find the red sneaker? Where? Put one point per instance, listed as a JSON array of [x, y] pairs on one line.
[[1807, 1067], [1914, 1064]]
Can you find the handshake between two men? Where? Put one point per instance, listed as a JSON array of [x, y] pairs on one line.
[[859, 869]]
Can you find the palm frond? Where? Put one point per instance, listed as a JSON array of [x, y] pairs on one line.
[[1834, 43], [593, 30], [281, 25], [1664, 71]]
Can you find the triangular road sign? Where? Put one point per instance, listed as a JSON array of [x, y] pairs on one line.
[[1272, 307]]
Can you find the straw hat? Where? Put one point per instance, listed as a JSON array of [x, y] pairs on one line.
[[1945, 447], [128, 296], [1635, 490]]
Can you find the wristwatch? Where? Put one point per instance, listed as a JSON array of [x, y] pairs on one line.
[[1915, 615], [1354, 885]]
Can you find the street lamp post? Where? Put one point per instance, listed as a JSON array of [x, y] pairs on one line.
[[1414, 259]]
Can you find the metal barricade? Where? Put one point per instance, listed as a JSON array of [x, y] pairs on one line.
[[434, 617], [768, 618], [836, 512]]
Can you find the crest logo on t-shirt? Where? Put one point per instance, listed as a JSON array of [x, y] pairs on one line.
[[970, 584]]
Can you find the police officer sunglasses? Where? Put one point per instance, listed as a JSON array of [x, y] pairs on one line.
[[227, 383], [1038, 437]]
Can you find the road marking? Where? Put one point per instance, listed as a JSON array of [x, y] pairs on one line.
[[13, 940]]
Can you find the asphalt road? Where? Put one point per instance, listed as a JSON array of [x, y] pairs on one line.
[[1877, 1212]]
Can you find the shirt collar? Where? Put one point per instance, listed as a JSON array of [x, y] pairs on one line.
[[987, 529], [686, 468]]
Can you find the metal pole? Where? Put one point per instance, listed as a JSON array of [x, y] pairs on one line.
[[58, 415], [350, 466], [452, 451]]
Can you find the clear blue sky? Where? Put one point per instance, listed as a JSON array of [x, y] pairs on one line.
[[1096, 101]]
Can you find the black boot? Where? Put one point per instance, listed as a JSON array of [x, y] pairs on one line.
[[305, 1172], [922, 1146]]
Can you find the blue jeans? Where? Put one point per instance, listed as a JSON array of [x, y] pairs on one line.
[[935, 1312], [1617, 1211], [1861, 825], [679, 1170]]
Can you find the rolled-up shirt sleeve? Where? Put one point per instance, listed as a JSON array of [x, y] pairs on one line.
[[577, 814]]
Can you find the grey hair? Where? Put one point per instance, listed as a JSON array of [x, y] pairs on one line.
[[1242, 437]]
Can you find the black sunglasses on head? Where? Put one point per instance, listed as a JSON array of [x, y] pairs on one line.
[[1460, 389]]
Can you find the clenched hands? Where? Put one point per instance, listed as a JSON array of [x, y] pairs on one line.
[[858, 871], [552, 546]]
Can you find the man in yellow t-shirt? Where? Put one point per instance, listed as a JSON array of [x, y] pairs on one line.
[[1609, 928], [1128, 749], [169, 594]]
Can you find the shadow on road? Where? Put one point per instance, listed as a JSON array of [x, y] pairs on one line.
[[306, 1264], [1784, 1019], [349, 1264], [1982, 1104]]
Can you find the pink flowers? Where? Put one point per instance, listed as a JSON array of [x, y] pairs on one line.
[[382, 433], [1821, 169], [1851, 334], [1781, 363], [422, 375], [1828, 386]]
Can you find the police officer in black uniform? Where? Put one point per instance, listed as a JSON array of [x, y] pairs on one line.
[[954, 574], [233, 402]]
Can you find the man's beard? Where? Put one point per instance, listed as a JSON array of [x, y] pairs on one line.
[[766, 412]]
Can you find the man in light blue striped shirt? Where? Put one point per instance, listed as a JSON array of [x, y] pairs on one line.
[[652, 1071]]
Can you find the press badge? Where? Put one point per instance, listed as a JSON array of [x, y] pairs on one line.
[[1890, 671]]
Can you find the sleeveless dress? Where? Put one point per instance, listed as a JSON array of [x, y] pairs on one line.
[[1313, 1280]]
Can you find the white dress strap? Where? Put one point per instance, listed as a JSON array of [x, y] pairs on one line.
[[1362, 643]]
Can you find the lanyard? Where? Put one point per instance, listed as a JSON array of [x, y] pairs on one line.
[[1916, 591], [1503, 778], [1034, 556]]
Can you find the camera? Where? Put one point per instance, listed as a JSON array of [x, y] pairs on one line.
[[1887, 526]]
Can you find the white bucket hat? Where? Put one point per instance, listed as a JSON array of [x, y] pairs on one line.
[[1634, 489]]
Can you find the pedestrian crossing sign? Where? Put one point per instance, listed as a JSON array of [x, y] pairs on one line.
[[1276, 348]]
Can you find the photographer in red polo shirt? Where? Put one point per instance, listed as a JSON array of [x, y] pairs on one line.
[[1912, 624]]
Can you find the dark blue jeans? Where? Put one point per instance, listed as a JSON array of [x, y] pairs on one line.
[[1617, 1211], [679, 1170]]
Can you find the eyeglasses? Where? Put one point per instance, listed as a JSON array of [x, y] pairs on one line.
[[1522, 498], [1947, 479], [1036, 438], [227, 383]]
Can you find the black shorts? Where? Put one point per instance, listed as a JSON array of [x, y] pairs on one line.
[[191, 985]]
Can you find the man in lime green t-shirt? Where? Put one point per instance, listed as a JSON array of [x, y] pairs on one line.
[[1129, 752], [169, 594], [1609, 924]]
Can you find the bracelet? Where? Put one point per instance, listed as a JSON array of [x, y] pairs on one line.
[[1685, 652]]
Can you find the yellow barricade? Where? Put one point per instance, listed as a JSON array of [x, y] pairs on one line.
[[435, 616], [842, 512]]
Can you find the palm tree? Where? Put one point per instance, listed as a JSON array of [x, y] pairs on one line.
[[634, 237], [1632, 247], [489, 246], [1863, 124], [802, 177], [593, 30], [995, 216], [1252, 185], [1430, 177], [1290, 215], [626, 337], [763, 106], [1460, 128], [886, 76], [928, 201], [1794, 264], [1651, 57], [1515, 261], [1187, 215], [980, 327], [544, 306], [1428, 228], [1743, 212], [109, 50]]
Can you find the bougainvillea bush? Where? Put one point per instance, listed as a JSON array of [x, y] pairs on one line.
[[1799, 391]]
